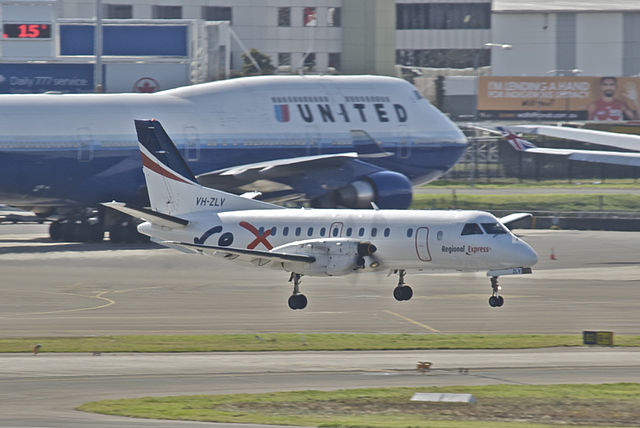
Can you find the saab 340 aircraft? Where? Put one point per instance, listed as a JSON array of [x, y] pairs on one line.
[[332, 141], [315, 242]]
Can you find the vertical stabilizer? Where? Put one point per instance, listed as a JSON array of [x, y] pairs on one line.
[[172, 187]]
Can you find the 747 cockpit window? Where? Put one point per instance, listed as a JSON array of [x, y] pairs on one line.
[[493, 228], [471, 229]]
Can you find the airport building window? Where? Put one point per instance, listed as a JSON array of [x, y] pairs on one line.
[[216, 13], [409, 233], [471, 229], [285, 231], [334, 18], [374, 232], [334, 60], [444, 58], [309, 18], [298, 231], [387, 232], [166, 12], [310, 62], [361, 231], [118, 11], [349, 231], [442, 16], [284, 58], [284, 17], [310, 231], [323, 231]]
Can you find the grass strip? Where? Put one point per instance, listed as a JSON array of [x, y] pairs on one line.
[[497, 406], [297, 342], [529, 202], [515, 183]]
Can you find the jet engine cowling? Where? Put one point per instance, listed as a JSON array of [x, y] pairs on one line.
[[387, 189], [334, 256]]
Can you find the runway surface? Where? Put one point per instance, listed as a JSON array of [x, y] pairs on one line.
[[52, 289]]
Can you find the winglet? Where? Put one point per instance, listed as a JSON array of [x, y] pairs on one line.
[[366, 146], [520, 144]]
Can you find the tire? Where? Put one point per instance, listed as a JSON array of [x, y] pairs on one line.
[[499, 301], [407, 292], [493, 301]]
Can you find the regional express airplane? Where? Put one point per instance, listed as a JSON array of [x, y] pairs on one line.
[[333, 141], [315, 242]]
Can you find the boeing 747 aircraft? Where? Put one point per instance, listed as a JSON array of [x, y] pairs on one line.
[[315, 242], [332, 141]]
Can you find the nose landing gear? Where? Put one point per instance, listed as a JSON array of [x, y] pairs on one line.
[[495, 300]]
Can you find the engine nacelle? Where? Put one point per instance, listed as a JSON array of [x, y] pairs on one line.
[[388, 189], [334, 256]]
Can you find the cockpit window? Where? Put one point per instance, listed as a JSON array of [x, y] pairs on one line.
[[493, 228], [471, 229]]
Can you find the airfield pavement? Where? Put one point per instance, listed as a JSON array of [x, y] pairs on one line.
[[66, 289]]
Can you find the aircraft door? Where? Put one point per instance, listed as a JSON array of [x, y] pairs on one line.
[[403, 146], [191, 143], [422, 244], [85, 145], [335, 230], [312, 140]]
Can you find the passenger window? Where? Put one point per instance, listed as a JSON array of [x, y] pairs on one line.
[[374, 232], [493, 228], [409, 233], [349, 231], [387, 232], [310, 231], [323, 231], [261, 231], [285, 231], [439, 235], [273, 231], [361, 231], [471, 229], [335, 232], [298, 231]]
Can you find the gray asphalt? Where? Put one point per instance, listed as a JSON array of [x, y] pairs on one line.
[[52, 289]]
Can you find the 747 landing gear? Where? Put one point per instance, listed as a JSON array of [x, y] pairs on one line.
[[495, 300], [297, 300], [402, 291]]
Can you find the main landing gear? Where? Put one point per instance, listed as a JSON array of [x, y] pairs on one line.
[[297, 300], [402, 291], [495, 300]]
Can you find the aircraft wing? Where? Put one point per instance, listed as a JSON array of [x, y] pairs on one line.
[[254, 256], [612, 139], [601, 156], [303, 177]]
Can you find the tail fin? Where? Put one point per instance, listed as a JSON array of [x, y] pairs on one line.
[[172, 187], [520, 144]]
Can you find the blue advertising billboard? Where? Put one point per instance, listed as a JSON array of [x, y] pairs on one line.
[[38, 78]]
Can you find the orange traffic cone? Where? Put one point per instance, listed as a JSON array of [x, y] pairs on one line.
[[553, 255]]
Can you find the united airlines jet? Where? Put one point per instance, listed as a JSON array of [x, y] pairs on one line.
[[324, 141], [315, 242]]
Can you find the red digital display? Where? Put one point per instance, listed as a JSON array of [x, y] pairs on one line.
[[26, 31]]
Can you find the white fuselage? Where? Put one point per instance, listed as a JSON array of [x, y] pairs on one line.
[[410, 240]]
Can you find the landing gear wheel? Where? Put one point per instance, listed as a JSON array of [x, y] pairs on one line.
[[402, 291], [495, 300], [297, 300]]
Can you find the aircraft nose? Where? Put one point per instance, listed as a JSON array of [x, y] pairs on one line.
[[526, 255]]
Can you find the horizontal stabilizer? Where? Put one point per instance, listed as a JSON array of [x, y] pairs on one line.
[[154, 217], [244, 253]]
